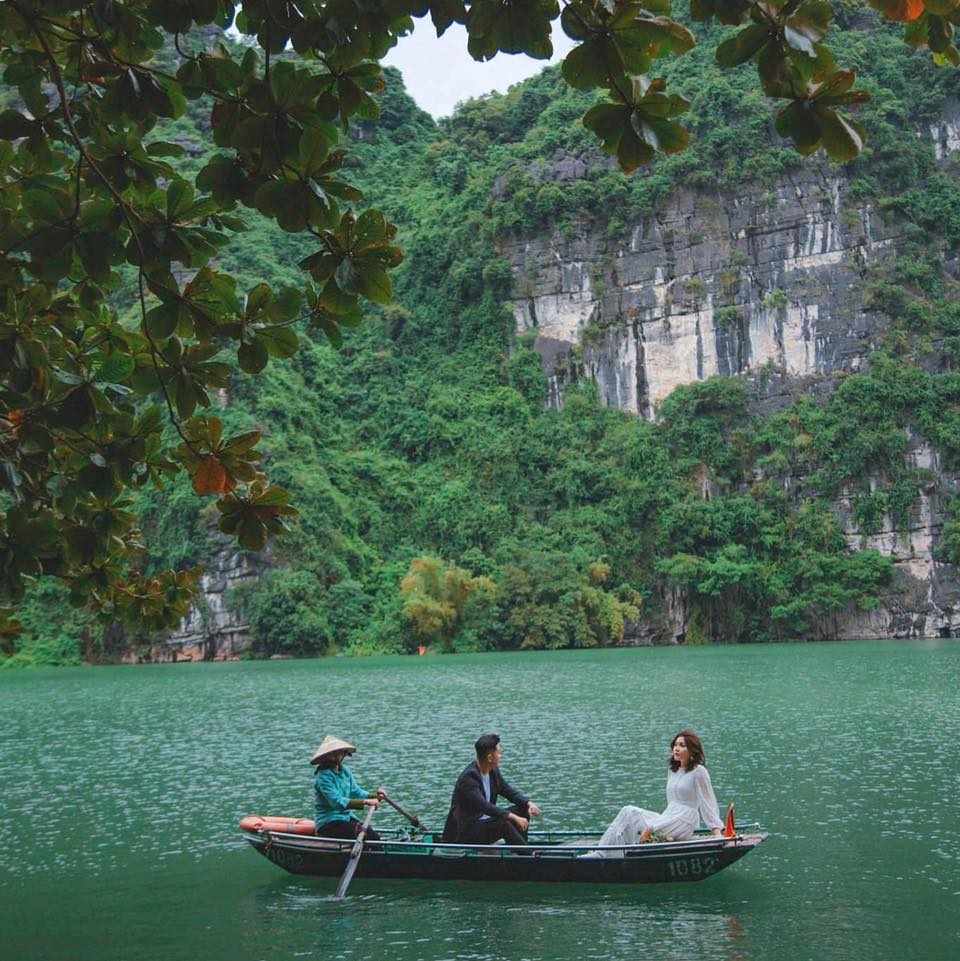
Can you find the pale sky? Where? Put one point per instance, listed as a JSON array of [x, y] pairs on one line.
[[438, 72]]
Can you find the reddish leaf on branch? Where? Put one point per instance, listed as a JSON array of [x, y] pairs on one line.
[[903, 11], [212, 477]]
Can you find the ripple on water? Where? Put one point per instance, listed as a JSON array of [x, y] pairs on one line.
[[138, 776]]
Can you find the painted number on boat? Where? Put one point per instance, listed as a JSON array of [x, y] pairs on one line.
[[291, 860], [693, 867]]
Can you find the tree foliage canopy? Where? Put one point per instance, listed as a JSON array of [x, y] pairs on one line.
[[436, 596], [94, 206]]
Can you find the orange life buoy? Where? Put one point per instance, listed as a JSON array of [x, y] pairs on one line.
[[257, 823]]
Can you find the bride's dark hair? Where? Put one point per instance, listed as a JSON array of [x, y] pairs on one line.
[[693, 746]]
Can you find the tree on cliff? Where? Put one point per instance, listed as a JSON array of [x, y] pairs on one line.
[[435, 597], [92, 202]]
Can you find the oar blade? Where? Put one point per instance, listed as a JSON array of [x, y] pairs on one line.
[[346, 879], [354, 858]]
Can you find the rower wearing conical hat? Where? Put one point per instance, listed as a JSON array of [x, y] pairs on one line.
[[337, 792]]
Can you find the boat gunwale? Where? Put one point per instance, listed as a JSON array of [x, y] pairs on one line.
[[386, 846]]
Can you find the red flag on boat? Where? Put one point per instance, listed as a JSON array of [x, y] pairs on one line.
[[730, 828]]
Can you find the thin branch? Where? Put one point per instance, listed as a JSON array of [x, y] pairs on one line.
[[154, 353], [128, 212], [63, 439], [225, 98], [78, 34], [176, 43], [68, 116], [34, 233], [76, 202], [266, 48], [154, 72]]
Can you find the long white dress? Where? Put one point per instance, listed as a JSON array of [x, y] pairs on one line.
[[689, 797]]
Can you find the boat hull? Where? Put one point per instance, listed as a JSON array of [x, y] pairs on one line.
[[642, 864]]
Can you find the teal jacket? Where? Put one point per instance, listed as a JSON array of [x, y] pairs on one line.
[[333, 789]]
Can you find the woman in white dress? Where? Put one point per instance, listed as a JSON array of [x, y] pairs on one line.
[[690, 797]]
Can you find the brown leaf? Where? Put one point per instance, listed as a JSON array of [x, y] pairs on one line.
[[902, 11], [212, 477], [15, 419]]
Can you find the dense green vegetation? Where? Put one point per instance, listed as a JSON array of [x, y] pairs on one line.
[[96, 214], [423, 444]]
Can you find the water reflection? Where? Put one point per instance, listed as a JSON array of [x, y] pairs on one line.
[[468, 922]]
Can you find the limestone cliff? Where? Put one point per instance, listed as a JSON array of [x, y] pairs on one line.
[[214, 629], [711, 285], [769, 284]]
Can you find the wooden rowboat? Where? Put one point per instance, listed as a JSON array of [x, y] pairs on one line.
[[551, 856]]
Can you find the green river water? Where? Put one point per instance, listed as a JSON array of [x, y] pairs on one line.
[[120, 790]]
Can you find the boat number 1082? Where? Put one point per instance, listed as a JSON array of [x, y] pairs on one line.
[[692, 867]]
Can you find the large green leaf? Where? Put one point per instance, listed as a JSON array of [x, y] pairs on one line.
[[252, 533], [314, 148], [161, 321], [587, 64], [252, 356], [445, 12], [286, 304], [281, 342], [800, 123], [842, 137], [511, 26], [179, 198], [186, 394], [808, 25], [258, 298], [373, 282], [743, 45], [14, 125], [663, 135], [614, 125], [732, 12], [114, 369], [47, 206], [370, 228]]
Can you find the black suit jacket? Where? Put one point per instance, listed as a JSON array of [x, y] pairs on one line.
[[469, 802]]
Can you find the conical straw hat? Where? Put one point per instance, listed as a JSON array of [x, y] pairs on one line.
[[330, 744]]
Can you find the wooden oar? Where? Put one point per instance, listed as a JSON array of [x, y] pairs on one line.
[[354, 859], [412, 818]]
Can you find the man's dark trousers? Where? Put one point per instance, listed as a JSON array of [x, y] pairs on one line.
[[488, 832]]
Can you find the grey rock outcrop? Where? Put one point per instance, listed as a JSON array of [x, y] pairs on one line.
[[711, 285], [214, 630], [767, 284]]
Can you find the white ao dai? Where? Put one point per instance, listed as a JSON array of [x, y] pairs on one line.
[[690, 797]]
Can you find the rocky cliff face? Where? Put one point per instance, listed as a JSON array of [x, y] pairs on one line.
[[711, 285], [769, 284], [214, 630], [925, 601]]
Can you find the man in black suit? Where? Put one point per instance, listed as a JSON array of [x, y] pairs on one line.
[[474, 817]]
